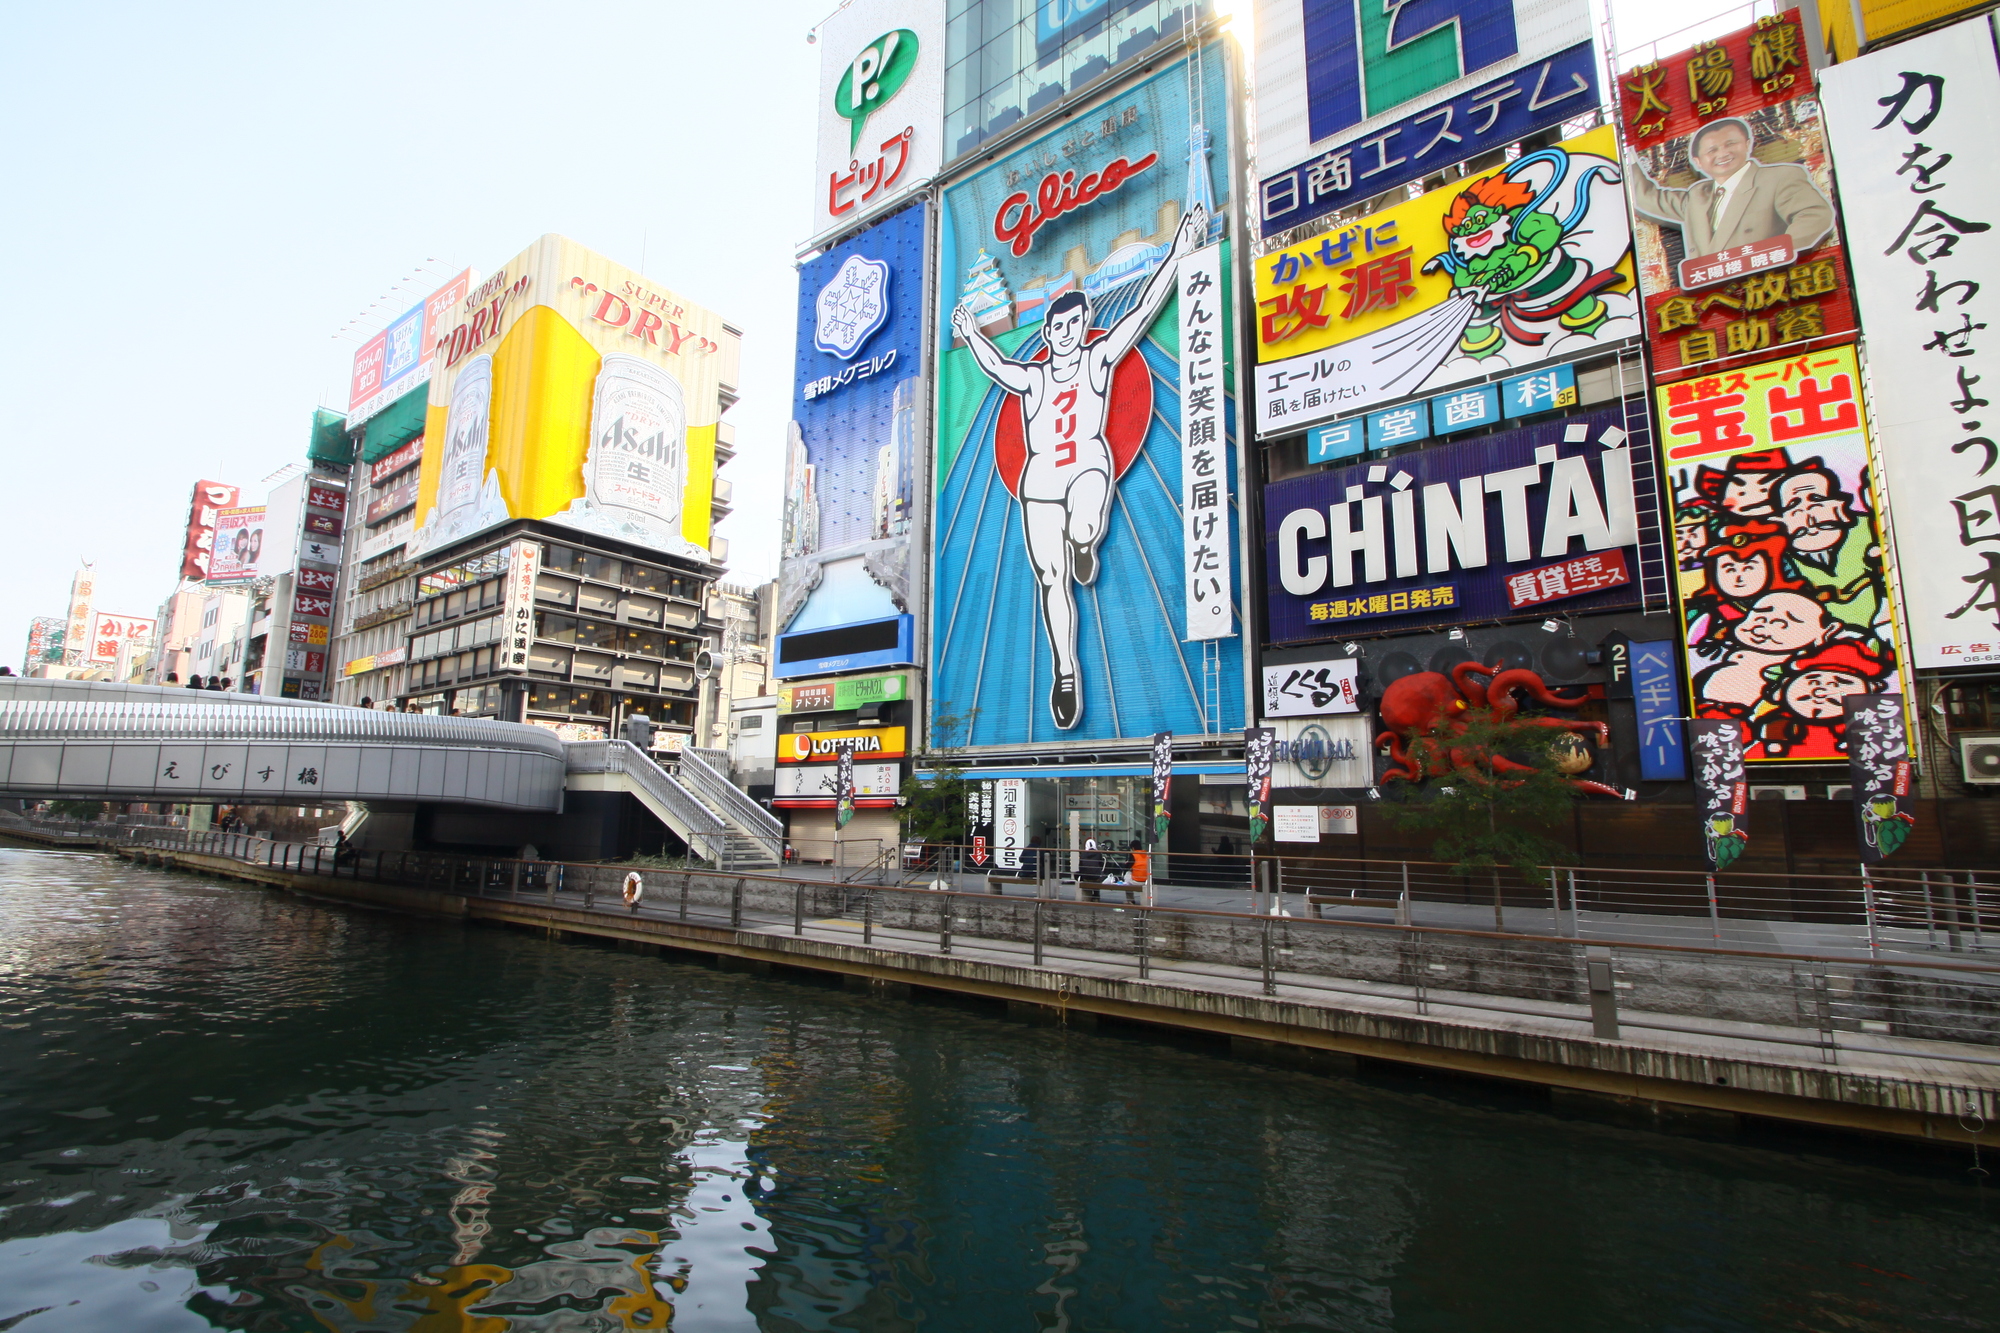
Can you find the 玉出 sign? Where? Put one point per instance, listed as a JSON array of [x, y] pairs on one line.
[[1544, 517], [1525, 264], [881, 107], [1909, 128], [1731, 189], [1779, 551], [1354, 98]]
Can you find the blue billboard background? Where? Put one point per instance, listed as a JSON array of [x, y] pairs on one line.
[[852, 507], [990, 652]]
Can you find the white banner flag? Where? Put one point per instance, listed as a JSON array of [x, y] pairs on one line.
[[1206, 562], [1908, 128]]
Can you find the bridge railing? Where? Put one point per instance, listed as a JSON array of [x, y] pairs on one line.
[[1777, 1002]]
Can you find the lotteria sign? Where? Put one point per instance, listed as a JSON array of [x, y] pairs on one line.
[[807, 747], [1533, 522]]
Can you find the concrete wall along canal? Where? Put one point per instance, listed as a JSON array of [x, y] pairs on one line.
[[1905, 1046]]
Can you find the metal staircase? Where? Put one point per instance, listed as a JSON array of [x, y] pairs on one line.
[[755, 836], [689, 804]]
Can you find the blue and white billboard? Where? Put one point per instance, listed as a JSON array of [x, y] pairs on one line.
[[852, 514], [1356, 97], [1085, 579]]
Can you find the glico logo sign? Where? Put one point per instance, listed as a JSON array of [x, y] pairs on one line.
[[1017, 221]]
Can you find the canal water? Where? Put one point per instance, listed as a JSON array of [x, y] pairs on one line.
[[223, 1107]]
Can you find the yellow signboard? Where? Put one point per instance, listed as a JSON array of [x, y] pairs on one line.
[[823, 747], [1526, 232], [1882, 19], [570, 389]]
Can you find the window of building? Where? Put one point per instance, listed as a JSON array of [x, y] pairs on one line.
[[566, 700], [1972, 705], [1007, 59], [755, 722]]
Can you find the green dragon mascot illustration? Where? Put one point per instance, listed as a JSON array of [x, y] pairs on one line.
[[1534, 274], [1725, 841], [1885, 827]]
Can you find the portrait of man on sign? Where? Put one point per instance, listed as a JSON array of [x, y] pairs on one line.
[[1738, 200]]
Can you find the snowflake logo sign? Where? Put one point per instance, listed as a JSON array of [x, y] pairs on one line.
[[852, 306]]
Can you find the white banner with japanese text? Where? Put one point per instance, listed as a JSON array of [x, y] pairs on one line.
[[1206, 551], [1908, 129]]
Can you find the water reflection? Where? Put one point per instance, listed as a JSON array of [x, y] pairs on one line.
[[221, 1108]]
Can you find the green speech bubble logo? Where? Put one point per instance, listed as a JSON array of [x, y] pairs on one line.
[[873, 77]]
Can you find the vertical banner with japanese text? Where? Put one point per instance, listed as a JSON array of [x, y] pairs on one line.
[[843, 786], [1163, 781], [1657, 699], [524, 565], [1010, 821], [1909, 129], [1721, 790], [1732, 199], [1778, 550], [1878, 764], [1206, 560], [1260, 748]]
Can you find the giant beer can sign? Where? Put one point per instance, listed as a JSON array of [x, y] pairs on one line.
[[637, 465], [466, 502], [506, 430]]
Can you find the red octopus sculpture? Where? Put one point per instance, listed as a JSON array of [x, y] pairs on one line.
[[1429, 702]]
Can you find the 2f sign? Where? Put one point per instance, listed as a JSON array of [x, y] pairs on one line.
[[872, 78], [1365, 57]]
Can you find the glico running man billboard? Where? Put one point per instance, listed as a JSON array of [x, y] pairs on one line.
[[851, 465], [1085, 524], [570, 389]]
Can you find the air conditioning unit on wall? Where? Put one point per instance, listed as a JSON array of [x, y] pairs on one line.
[[1980, 756], [1778, 792]]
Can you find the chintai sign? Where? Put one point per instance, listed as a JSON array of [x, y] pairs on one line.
[[1534, 522]]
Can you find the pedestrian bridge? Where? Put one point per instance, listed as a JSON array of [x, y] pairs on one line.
[[102, 741], [94, 740]]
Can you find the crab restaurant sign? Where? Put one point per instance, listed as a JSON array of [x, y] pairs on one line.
[[1535, 522]]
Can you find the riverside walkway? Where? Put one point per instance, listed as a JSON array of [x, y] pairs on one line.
[[1897, 1044]]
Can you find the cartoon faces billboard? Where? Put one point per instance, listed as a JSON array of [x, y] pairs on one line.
[[857, 421], [1778, 551], [1084, 462], [1732, 191], [1522, 265]]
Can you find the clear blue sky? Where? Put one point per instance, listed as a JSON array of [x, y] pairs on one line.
[[199, 196]]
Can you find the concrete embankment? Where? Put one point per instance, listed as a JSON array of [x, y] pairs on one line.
[[1751, 1057]]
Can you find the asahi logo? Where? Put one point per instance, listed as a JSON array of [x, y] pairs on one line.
[[620, 436]]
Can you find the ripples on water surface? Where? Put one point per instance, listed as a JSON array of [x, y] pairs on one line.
[[221, 1107]]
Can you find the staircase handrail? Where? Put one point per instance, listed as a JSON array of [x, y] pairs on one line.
[[699, 769], [623, 757]]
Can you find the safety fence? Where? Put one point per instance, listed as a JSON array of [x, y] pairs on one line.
[[1831, 1005]]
